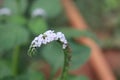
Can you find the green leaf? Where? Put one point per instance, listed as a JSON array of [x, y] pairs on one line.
[[80, 54], [53, 53], [76, 33], [37, 25], [4, 69], [17, 19], [12, 35], [52, 8]]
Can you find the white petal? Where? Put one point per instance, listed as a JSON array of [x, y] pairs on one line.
[[64, 46]]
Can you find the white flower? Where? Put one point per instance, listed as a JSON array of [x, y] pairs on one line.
[[5, 11], [39, 12], [64, 46], [44, 41], [48, 37], [35, 42], [40, 40], [61, 37], [60, 34]]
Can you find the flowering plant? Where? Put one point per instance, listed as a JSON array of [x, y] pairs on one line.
[[20, 22]]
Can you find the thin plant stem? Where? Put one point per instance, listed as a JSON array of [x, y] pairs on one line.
[[67, 59], [15, 57]]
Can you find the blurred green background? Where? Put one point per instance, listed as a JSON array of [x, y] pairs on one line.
[[19, 25]]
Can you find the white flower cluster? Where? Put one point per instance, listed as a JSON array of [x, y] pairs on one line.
[[48, 37], [39, 12], [5, 11]]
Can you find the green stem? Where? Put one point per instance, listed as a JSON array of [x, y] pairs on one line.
[[15, 57], [67, 59]]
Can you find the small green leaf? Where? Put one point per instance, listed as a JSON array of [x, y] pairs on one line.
[[37, 25]]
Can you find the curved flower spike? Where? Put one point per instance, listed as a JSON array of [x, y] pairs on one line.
[[48, 37]]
